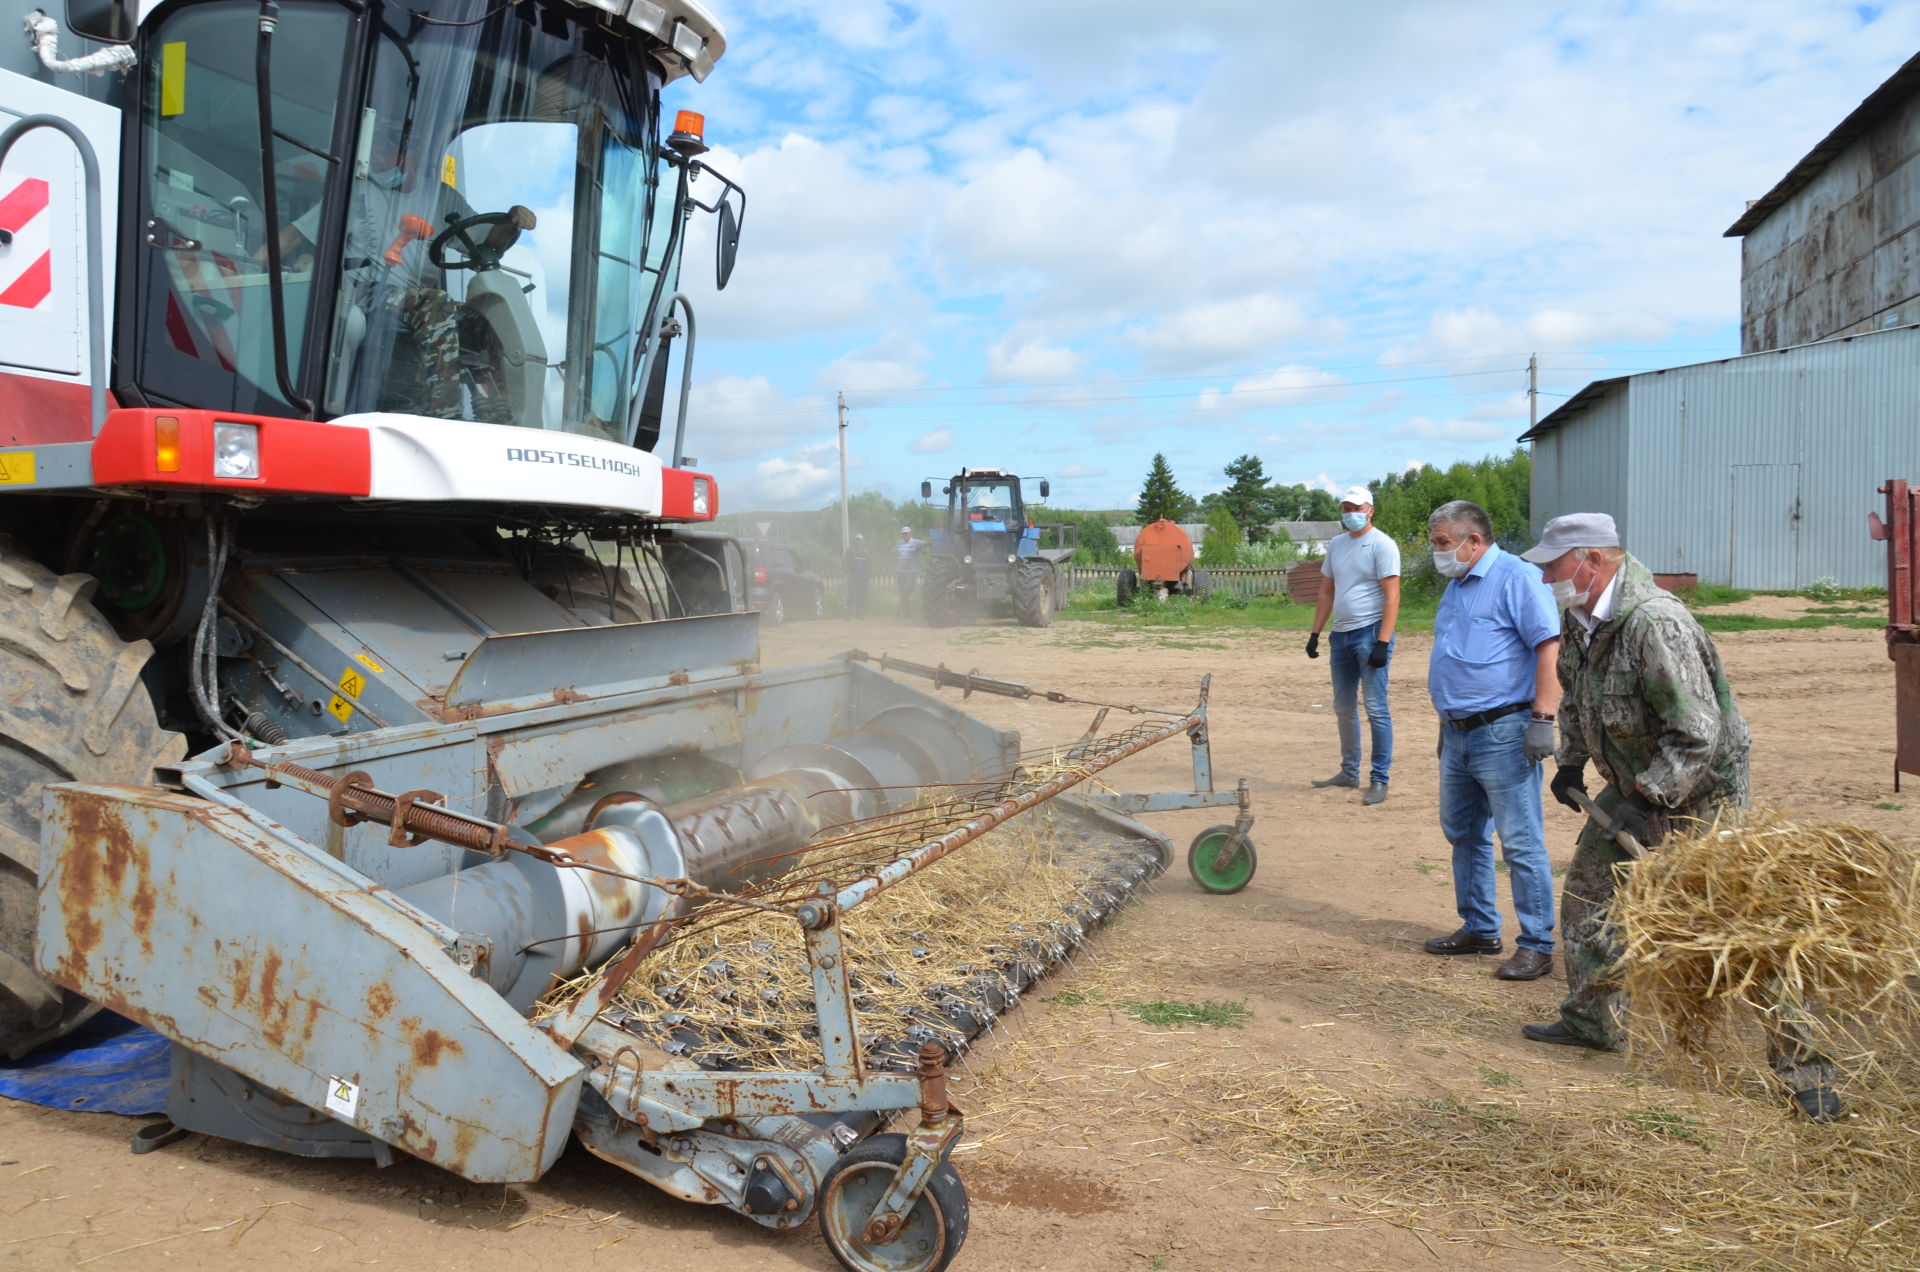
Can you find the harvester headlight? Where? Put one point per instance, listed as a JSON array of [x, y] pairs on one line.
[[236, 450], [966, 560], [702, 496], [1011, 558]]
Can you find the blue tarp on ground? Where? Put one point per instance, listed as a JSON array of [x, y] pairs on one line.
[[110, 1065]]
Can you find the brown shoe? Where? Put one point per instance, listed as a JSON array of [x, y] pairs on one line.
[[1463, 942], [1525, 964]]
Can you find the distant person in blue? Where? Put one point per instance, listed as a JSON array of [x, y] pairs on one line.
[[1495, 684], [1361, 593]]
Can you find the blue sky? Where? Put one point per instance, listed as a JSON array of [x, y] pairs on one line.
[[1060, 236]]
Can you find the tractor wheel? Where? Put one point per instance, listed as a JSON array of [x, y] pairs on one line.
[[1123, 590], [942, 574], [935, 1227], [72, 708], [596, 594], [1033, 593]]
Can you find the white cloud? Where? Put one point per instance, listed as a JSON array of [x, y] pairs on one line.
[[786, 482], [1213, 332], [1284, 386], [1452, 430], [1032, 360], [885, 369], [1082, 470], [937, 442]]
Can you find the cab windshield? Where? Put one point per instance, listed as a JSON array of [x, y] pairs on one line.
[[498, 208], [984, 506], [466, 238]]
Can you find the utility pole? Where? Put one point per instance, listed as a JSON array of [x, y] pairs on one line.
[[1533, 391], [846, 532]]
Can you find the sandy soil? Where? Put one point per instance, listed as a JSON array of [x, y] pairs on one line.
[[1077, 1156]]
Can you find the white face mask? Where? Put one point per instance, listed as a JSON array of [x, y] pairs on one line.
[[1564, 595], [1354, 521], [1449, 564]]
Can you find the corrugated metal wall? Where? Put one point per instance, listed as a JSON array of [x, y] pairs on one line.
[[1754, 472]]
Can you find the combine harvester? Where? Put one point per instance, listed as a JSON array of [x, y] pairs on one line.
[[365, 672]]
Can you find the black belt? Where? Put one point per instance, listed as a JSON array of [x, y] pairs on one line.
[[1467, 724]]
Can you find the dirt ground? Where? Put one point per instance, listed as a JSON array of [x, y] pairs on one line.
[[1081, 1152]]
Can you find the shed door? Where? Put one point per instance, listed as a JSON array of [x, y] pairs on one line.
[[1766, 527]]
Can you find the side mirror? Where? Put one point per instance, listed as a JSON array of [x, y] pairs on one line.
[[726, 246], [926, 490], [1045, 489], [102, 21]]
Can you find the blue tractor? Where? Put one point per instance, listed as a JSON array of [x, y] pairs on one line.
[[989, 551]]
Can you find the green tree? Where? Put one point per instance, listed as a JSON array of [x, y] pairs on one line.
[[1224, 543], [1248, 497], [1161, 496]]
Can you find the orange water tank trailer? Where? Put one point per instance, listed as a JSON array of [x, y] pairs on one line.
[[1162, 553]]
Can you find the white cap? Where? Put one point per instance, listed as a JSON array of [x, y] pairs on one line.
[[1357, 495], [906, 529], [1575, 530]]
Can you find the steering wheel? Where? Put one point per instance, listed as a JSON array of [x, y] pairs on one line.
[[480, 254]]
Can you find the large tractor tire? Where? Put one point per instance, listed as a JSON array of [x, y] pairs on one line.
[[597, 595], [72, 708], [938, 603], [1033, 593]]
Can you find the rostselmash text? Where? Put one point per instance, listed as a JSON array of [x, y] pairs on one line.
[[573, 459]]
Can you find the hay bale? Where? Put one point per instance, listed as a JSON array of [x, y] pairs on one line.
[[1760, 911]]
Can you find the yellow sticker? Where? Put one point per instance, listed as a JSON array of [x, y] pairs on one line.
[[341, 708], [351, 683], [448, 172], [368, 662], [173, 78], [16, 469]]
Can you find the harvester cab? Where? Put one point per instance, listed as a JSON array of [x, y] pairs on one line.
[[378, 721], [989, 550]]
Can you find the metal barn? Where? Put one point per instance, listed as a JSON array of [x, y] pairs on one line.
[[1754, 472]]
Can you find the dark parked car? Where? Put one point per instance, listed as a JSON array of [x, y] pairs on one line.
[[778, 585]]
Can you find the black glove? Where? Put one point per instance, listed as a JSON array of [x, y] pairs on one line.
[[1313, 645], [1635, 816], [1378, 658], [1569, 777]]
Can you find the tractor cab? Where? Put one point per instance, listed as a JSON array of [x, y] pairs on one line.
[[458, 210]]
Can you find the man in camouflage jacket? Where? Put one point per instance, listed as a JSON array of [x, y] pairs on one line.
[[1647, 701]]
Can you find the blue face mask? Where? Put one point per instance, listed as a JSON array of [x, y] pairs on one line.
[[1354, 520]]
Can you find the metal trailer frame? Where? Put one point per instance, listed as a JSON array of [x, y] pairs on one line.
[[1901, 533], [1221, 859]]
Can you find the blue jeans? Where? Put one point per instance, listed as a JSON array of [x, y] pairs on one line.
[[1347, 655], [1486, 784]]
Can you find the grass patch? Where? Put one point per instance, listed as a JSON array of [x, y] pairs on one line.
[[1890, 806], [1757, 623], [1222, 610], [1708, 594], [1070, 998], [1215, 1015], [1661, 1120], [1497, 1078]]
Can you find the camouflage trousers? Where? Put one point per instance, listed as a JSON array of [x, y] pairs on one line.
[[432, 318], [1595, 1006]]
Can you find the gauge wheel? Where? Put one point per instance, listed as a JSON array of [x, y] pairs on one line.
[[1213, 874], [935, 1227]]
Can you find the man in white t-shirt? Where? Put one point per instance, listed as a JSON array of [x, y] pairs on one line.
[[1361, 593]]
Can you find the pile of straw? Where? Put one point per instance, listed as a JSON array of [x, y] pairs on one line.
[[937, 958], [1761, 913]]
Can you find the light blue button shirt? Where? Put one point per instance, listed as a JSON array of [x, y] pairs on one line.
[[1490, 622]]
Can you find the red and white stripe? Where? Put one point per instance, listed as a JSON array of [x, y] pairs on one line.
[[26, 264]]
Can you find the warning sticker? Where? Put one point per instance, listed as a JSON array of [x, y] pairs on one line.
[[449, 171], [352, 682], [343, 1097], [371, 665], [16, 469], [341, 708]]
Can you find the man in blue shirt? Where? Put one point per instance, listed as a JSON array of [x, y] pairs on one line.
[[1494, 683]]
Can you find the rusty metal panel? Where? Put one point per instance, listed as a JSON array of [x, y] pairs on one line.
[[511, 673], [1906, 708], [188, 917]]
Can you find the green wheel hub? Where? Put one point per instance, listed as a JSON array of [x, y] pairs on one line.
[[1204, 860], [129, 557]]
